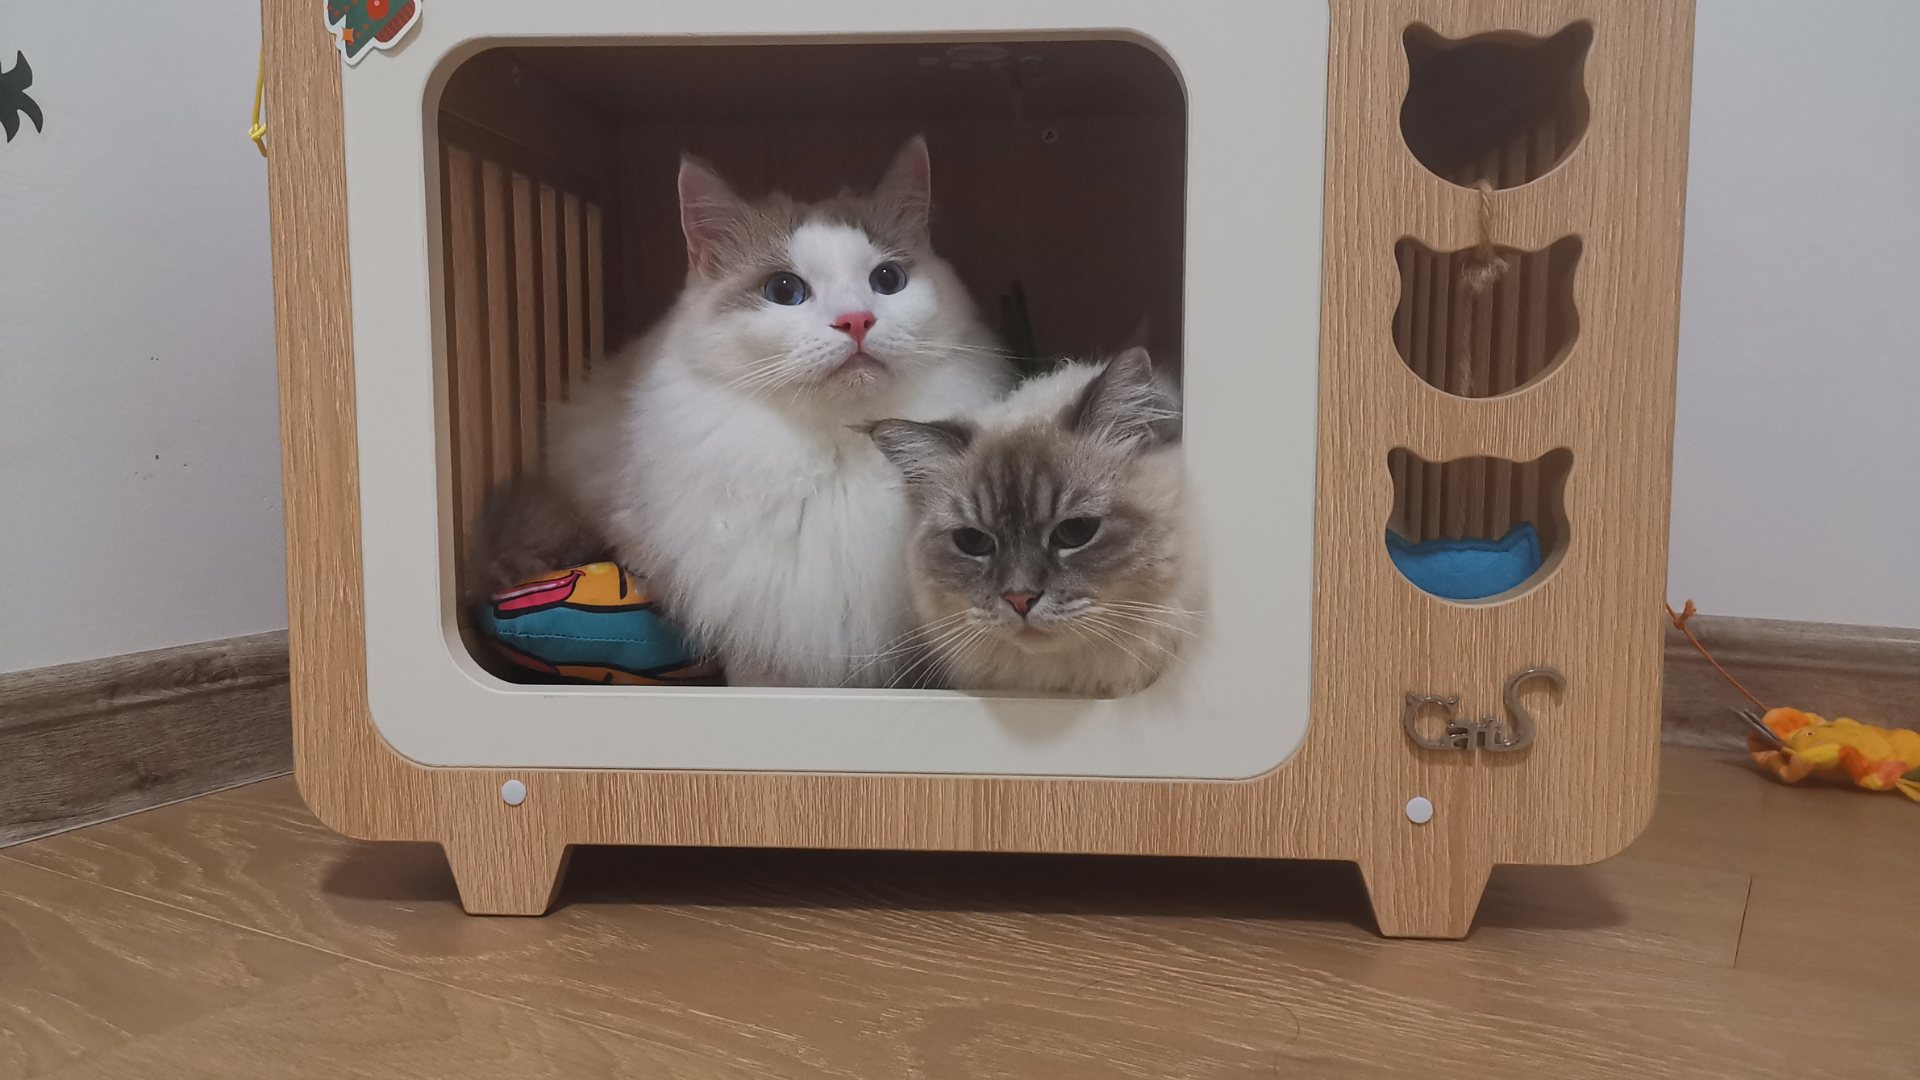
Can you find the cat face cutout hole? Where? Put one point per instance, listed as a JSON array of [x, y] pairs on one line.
[[1502, 108], [1480, 324], [1478, 530]]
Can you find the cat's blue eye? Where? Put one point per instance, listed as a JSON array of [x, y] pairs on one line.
[[888, 278], [973, 542], [1074, 532], [786, 288]]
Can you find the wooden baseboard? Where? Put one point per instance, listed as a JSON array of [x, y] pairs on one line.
[[85, 742], [81, 743], [1869, 673]]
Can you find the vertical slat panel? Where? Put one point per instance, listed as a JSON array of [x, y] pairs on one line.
[[1439, 319], [1485, 302], [526, 308], [1527, 483], [1539, 301], [1503, 370], [1474, 497], [1453, 348], [525, 314], [503, 407], [467, 350], [1499, 497], [596, 289], [1435, 496], [1422, 322], [1404, 254], [574, 287], [553, 319]]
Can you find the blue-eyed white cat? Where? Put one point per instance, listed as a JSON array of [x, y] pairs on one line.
[[724, 456], [1053, 547]]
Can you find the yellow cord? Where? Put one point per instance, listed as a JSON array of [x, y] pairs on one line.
[[258, 132]]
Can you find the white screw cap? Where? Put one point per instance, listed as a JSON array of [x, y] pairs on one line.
[[513, 792], [1419, 810]]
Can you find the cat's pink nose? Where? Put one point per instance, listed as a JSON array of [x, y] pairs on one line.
[[855, 325], [1021, 601]]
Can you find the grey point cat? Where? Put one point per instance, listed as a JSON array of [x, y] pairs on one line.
[[1052, 548]]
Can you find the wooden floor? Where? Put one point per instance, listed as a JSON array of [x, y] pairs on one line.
[[1755, 931]]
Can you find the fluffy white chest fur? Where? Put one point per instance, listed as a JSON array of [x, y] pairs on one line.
[[776, 537]]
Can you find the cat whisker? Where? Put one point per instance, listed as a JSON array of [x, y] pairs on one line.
[[913, 642], [1141, 605], [1143, 620], [951, 663], [767, 368], [1142, 638], [927, 348], [771, 378], [753, 380], [934, 649], [1095, 629], [909, 639]]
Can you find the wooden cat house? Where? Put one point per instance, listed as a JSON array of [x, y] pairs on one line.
[[1415, 263]]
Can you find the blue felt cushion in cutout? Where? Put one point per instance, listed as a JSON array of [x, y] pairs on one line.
[[1468, 569]]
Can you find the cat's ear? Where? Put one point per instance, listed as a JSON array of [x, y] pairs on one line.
[[905, 194], [1125, 404], [711, 214], [920, 450]]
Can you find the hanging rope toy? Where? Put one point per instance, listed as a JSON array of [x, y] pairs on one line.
[[1486, 266]]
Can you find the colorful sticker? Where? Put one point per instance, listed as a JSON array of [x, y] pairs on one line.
[[359, 25]]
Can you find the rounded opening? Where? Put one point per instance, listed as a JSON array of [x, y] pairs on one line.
[[1477, 529], [1480, 323], [1501, 108], [1058, 172]]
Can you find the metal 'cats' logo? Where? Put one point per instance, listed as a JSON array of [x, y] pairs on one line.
[[359, 25], [1490, 733], [14, 102]]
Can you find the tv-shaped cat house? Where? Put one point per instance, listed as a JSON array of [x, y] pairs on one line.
[[1304, 199]]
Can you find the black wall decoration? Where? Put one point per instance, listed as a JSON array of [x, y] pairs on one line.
[[13, 97]]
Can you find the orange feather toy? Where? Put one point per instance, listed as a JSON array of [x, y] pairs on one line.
[[1795, 745]]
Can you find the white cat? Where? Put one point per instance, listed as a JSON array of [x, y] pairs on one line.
[[724, 456]]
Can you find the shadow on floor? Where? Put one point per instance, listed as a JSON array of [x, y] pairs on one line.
[[1265, 890]]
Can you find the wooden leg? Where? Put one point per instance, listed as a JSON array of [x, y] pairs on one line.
[[498, 878], [1425, 899]]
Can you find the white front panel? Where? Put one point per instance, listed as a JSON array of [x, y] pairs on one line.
[[1255, 77]]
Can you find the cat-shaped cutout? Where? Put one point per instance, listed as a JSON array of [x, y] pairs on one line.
[[1478, 529], [1480, 324], [1504, 108]]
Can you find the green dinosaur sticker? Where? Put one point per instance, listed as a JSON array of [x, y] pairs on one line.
[[359, 25]]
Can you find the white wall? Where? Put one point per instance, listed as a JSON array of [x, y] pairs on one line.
[[139, 448], [139, 465], [1797, 458]]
